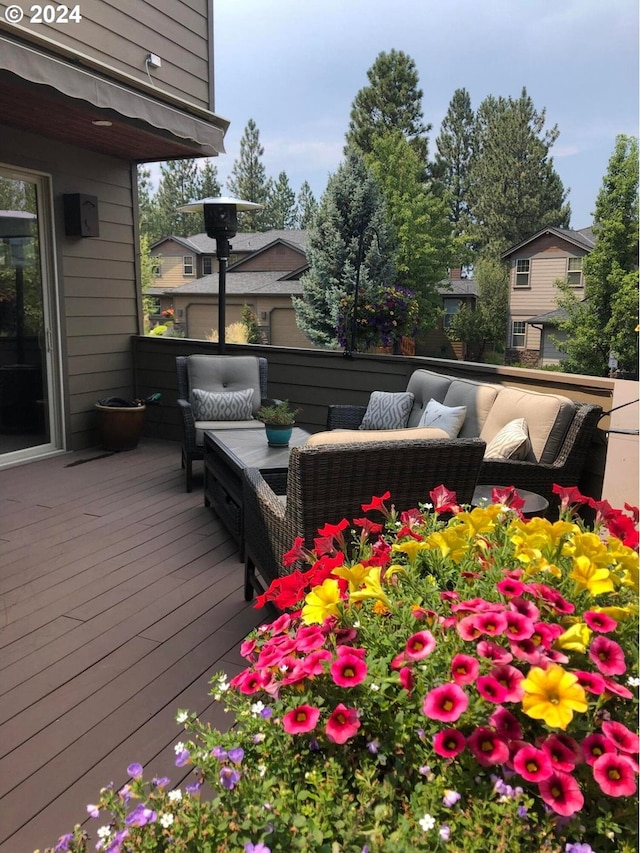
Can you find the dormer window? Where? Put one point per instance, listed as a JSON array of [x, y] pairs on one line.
[[187, 264], [522, 272], [207, 265], [574, 272]]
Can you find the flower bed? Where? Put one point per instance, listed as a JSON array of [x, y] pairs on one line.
[[467, 684]]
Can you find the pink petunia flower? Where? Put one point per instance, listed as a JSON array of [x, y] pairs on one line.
[[622, 737], [595, 745], [532, 764], [561, 793], [615, 774], [248, 681], [446, 703], [449, 742], [407, 679], [506, 724], [510, 678], [616, 689], [313, 663], [525, 607], [510, 587], [491, 689], [492, 651], [348, 670], [607, 656], [600, 622], [591, 681], [342, 724], [519, 627], [563, 751], [419, 645], [493, 623], [487, 747], [300, 720], [468, 628], [464, 669]]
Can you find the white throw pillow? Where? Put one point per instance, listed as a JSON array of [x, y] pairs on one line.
[[387, 410], [448, 418], [222, 405], [512, 442]]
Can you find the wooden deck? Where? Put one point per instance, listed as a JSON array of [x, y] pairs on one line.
[[121, 596]]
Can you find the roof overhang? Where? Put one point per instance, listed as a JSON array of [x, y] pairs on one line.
[[54, 98]]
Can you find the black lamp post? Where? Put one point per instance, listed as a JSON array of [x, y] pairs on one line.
[[221, 223], [351, 342]]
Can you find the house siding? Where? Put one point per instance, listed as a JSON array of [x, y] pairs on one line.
[[116, 36], [278, 257], [171, 270], [97, 301]]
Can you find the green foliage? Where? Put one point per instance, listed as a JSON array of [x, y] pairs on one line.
[[391, 101], [277, 414], [179, 184], [606, 321], [417, 218], [209, 185], [248, 178], [348, 241], [250, 322], [307, 206], [515, 190], [280, 206]]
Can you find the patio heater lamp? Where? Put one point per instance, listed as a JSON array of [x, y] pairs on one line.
[[221, 223]]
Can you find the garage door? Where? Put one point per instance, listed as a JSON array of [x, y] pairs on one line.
[[202, 319], [284, 332]]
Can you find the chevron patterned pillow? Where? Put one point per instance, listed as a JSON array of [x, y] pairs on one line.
[[387, 410], [512, 442], [222, 405]]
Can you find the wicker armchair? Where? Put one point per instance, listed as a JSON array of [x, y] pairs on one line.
[[245, 372], [329, 482], [538, 477]]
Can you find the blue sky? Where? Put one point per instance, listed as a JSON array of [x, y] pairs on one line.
[[294, 66]]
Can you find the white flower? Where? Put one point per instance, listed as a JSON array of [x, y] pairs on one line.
[[259, 737], [104, 832], [166, 820], [182, 717], [633, 682], [175, 796], [427, 822], [257, 708], [178, 748], [374, 687], [262, 770]]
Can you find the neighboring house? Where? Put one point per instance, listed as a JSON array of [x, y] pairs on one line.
[[550, 336], [455, 291], [534, 266], [82, 102]]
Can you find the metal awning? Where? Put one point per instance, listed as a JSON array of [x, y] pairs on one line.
[[197, 136]]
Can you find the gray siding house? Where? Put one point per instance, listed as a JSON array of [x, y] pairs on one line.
[[82, 101]]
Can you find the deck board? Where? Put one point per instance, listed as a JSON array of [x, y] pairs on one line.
[[121, 595]]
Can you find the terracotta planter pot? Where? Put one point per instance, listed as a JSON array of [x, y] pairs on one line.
[[120, 427]]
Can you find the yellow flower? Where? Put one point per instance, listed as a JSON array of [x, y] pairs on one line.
[[617, 613], [552, 695], [588, 576], [411, 548], [453, 542], [354, 575], [372, 588], [321, 602], [482, 519], [575, 639]]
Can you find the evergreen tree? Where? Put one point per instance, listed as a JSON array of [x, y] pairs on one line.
[[248, 179], [208, 183], [178, 185], [306, 206], [418, 220], [280, 207], [148, 213], [515, 190], [250, 322], [606, 322], [391, 101], [455, 148], [344, 244]]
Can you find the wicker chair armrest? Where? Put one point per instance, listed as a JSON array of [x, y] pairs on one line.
[[188, 421], [345, 416]]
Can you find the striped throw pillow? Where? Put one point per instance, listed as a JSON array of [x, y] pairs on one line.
[[512, 442]]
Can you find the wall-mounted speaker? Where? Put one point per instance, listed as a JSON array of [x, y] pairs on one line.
[[81, 215]]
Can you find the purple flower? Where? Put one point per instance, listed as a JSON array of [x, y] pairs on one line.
[[445, 832], [115, 845], [219, 753], [236, 754], [578, 847], [182, 758], [63, 842], [161, 781], [373, 746], [229, 778], [141, 816], [266, 713], [135, 770], [92, 811], [450, 798], [194, 787], [256, 848]]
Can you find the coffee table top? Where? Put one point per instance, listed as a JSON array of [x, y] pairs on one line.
[[534, 504], [248, 448]]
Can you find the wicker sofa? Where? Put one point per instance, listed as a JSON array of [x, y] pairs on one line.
[[560, 430], [328, 481]]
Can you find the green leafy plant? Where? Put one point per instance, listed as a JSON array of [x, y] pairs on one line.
[[277, 414], [455, 685]]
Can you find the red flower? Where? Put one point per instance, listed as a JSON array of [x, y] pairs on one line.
[[607, 656], [407, 680], [615, 774], [508, 496], [378, 503], [419, 645], [449, 742], [348, 670], [342, 724], [561, 793], [568, 496], [487, 747], [532, 764], [297, 552], [446, 703], [369, 527], [443, 500], [300, 720]]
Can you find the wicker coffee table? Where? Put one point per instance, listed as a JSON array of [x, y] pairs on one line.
[[226, 454]]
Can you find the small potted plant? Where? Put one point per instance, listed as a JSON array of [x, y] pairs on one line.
[[279, 421]]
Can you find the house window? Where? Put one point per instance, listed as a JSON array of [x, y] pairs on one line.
[[574, 272], [522, 272], [187, 264], [156, 269], [518, 330], [451, 307], [207, 266]]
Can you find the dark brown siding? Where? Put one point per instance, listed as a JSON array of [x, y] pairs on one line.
[[278, 257]]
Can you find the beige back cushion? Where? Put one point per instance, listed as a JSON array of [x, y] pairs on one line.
[[361, 436], [548, 417], [425, 385], [226, 373], [478, 397]]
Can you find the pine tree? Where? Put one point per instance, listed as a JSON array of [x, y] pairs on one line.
[[306, 205], [248, 179], [280, 207], [606, 322], [178, 185], [344, 243], [208, 183], [391, 101], [515, 190]]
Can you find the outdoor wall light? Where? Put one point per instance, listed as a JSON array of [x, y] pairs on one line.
[[221, 223]]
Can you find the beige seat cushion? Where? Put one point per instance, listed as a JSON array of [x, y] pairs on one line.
[[478, 397], [548, 418], [361, 436]]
